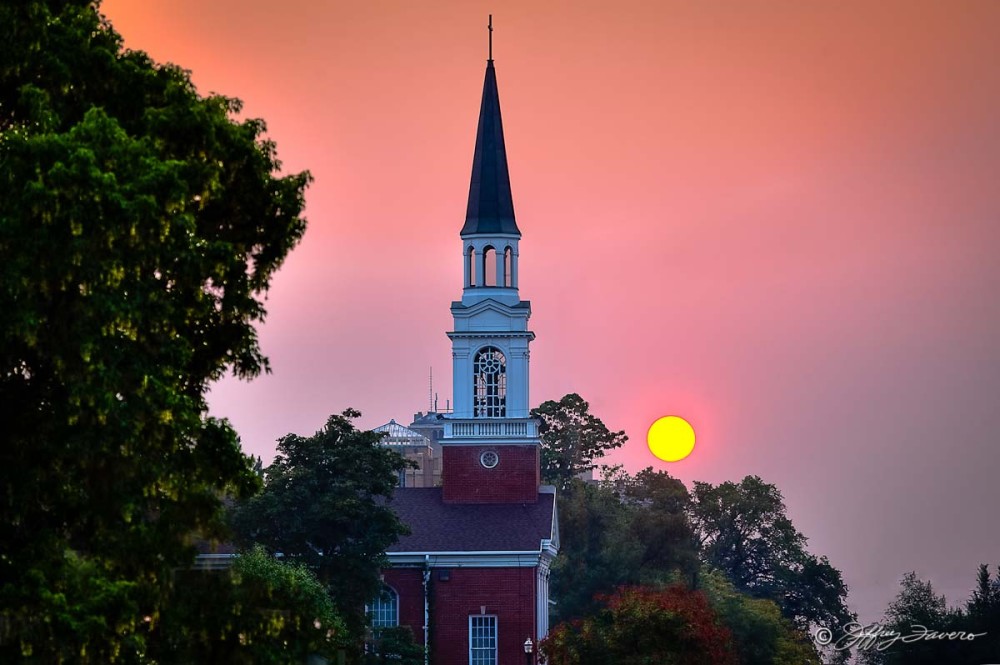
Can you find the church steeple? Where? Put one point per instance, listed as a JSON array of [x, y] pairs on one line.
[[490, 448], [491, 204]]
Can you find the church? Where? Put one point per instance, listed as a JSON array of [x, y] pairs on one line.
[[472, 578]]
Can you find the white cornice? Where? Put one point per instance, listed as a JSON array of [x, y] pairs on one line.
[[494, 441], [460, 309], [500, 559], [491, 333]]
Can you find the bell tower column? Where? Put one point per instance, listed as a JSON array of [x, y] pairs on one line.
[[490, 447]]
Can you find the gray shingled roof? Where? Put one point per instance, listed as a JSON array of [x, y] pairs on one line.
[[491, 204], [440, 527]]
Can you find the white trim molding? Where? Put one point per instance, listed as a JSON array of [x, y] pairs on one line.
[[509, 559]]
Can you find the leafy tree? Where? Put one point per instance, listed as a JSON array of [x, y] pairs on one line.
[[985, 601], [394, 646], [88, 615], [597, 552], [659, 524], [971, 635], [761, 635], [812, 592], [140, 225], [744, 533], [642, 626], [572, 439], [916, 604], [261, 611], [631, 531], [982, 615], [325, 504]]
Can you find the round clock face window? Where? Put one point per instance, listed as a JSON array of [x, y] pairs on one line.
[[489, 459]]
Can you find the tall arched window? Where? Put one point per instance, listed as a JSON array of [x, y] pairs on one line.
[[508, 266], [490, 383], [489, 266], [471, 265], [383, 612]]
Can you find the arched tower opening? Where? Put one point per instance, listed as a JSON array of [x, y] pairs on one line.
[[508, 267], [489, 266], [489, 383], [470, 266]]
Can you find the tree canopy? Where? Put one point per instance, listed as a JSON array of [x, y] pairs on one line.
[[744, 532], [140, 226], [635, 531], [761, 634], [325, 504], [647, 532], [596, 553], [932, 632], [260, 611], [572, 438], [641, 626], [394, 646], [659, 524]]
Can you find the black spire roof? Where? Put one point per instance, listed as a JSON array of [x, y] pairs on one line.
[[491, 205]]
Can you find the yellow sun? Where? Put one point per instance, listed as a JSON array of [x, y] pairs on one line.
[[671, 438]]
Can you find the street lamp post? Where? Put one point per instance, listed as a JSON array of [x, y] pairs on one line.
[[529, 646]]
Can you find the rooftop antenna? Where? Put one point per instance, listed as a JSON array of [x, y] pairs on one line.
[[430, 391], [491, 37]]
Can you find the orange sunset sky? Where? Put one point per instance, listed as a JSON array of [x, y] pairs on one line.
[[779, 220]]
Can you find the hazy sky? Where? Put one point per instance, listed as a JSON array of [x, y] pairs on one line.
[[779, 220]]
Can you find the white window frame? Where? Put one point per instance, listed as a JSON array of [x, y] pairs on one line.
[[370, 610], [489, 389], [496, 640]]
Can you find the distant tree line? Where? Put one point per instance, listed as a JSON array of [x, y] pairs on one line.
[[650, 571], [920, 629], [641, 555]]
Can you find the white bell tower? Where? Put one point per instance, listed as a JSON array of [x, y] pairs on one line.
[[490, 445]]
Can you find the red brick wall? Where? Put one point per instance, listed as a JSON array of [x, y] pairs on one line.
[[409, 584], [514, 480], [507, 593]]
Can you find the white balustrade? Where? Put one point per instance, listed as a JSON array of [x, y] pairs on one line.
[[500, 428]]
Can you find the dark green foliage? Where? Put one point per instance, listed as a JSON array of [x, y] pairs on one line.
[[659, 524], [982, 615], [919, 611], [324, 504], [139, 227], [916, 604], [985, 600], [572, 439], [89, 616], [634, 531], [649, 530], [261, 611], [761, 635], [596, 555], [643, 626], [744, 533], [394, 646]]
